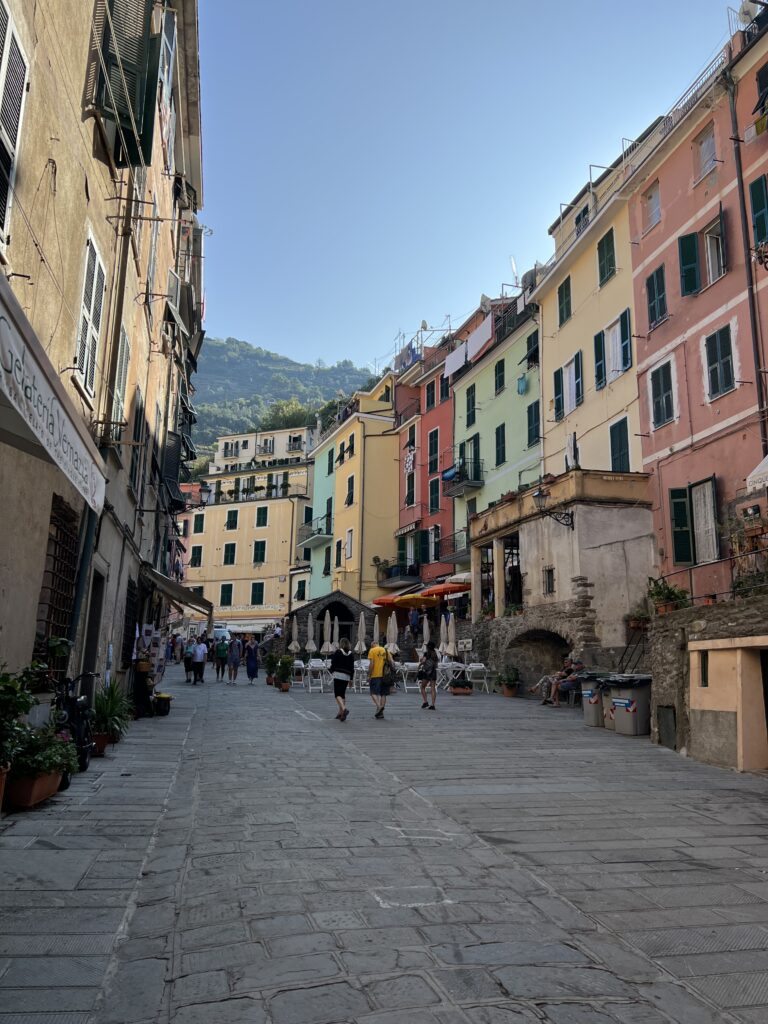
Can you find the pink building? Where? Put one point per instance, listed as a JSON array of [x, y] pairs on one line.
[[698, 211]]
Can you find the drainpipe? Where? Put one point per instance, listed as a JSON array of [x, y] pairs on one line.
[[749, 273]]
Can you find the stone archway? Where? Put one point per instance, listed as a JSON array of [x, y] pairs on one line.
[[337, 604], [535, 653]]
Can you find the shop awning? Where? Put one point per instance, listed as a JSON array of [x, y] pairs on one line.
[[444, 589], [37, 415], [758, 478], [177, 593]]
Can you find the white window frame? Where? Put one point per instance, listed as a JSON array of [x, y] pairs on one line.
[[86, 362], [348, 541], [670, 358], [651, 208], [705, 148], [227, 583], [259, 540], [569, 386], [191, 549], [713, 240], [256, 524], [223, 552], [13, 151]]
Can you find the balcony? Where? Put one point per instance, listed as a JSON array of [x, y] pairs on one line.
[[259, 493], [295, 446], [317, 533], [463, 478], [455, 548], [396, 575]]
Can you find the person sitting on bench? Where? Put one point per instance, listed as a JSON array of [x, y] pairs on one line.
[[570, 682]]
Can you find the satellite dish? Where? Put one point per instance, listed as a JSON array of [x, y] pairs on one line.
[[485, 304], [424, 325], [513, 265], [748, 12]]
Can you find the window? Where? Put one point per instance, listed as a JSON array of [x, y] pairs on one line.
[[435, 543], [139, 430], [704, 668], [690, 273], [121, 381], [411, 442], [94, 282], [257, 592], [196, 556], [430, 395], [564, 301], [501, 444], [198, 523], [693, 517], [532, 349], [568, 387], [719, 362], [301, 590], [758, 195], [715, 248], [200, 591], [342, 454], [259, 552], [350, 498], [613, 351], [338, 553], [434, 495], [498, 376], [327, 561], [231, 523], [651, 207], [306, 554], [445, 389], [471, 508], [534, 430], [348, 544], [229, 554], [662, 402], [13, 91], [225, 595], [351, 446], [549, 580], [657, 297], [582, 219], [185, 528], [410, 489], [331, 461], [262, 513], [620, 446], [599, 360], [434, 447], [470, 405], [244, 445], [704, 149], [606, 258]]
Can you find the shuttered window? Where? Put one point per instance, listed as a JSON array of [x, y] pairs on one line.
[[690, 271], [620, 447], [338, 553], [758, 195], [564, 301], [350, 498], [693, 516], [125, 53], [470, 405], [663, 407], [225, 595], [257, 592], [434, 445], [330, 461], [569, 385], [410, 489], [599, 360], [430, 395], [121, 381], [434, 495], [533, 423], [198, 523], [259, 551], [656, 290], [90, 318], [139, 423], [501, 444], [558, 392], [262, 512], [606, 258], [682, 538], [230, 551], [12, 90], [625, 328], [719, 362], [498, 375], [196, 556]]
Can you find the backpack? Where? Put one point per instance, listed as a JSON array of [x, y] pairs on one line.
[[388, 672]]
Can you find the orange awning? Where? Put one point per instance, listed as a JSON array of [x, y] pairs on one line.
[[415, 601], [385, 602], [443, 589]]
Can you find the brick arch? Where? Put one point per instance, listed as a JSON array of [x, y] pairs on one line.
[[333, 602]]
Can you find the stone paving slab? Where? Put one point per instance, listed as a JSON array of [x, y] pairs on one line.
[[245, 862]]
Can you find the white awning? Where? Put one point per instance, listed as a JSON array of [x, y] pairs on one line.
[[455, 360], [758, 478], [480, 336], [177, 593]]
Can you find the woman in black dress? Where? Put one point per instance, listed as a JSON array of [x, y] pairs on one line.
[[342, 669]]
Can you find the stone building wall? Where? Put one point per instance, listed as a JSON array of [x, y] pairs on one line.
[[669, 661]]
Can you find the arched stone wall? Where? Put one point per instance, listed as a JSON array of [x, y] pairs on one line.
[[347, 608]]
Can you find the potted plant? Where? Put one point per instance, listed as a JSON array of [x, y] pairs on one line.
[[461, 686], [42, 758], [15, 700], [112, 712], [284, 673], [637, 619], [508, 681], [665, 596], [270, 663]]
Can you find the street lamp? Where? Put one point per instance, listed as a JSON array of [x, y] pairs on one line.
[[540, 499]]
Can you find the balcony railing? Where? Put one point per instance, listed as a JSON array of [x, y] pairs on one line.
[[259, 493], [295, 446], [464, 476], [455, 547], [317, 533], [396, 575]]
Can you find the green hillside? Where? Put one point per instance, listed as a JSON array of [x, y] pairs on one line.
[[236, 382]]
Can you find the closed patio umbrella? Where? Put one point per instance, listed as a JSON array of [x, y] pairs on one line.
[[443, 645], [361, 646], [392, 634], [335, 640], [294, 646], [426, 636], [310, 646], [327, 645], [375, 639], [451, 649]]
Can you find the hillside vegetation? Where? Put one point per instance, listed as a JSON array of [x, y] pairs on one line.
[[237, 382]]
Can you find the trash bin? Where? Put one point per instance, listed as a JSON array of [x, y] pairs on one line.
[[608, 711], [631, 701], [592, 700]]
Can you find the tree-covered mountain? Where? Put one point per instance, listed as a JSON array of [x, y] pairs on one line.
[[236, 383]]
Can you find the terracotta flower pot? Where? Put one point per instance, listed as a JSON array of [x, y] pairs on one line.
[[461, 691], [27, 792], [100, 741], [509, 689], [284, 687], [270, 681]]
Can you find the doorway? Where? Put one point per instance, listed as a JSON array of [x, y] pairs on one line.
[[93, 629]]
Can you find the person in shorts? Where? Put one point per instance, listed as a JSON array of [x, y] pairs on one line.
[[427, 676], [342, 669], [199, 658], [570, 682], [189, 650], [380, 685], [233, 659], [221, 652]]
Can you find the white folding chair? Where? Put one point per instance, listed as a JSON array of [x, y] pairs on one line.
[[477, 675], [315, 677], [407, 672], [299, 671], [360, 676]]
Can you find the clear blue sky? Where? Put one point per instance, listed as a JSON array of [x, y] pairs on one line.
[[373, 163]]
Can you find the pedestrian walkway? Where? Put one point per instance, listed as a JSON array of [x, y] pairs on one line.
[[250, 860]]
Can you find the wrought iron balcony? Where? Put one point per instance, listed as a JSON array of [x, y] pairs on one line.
[[455, 548], [394, 575], [317, 533], [464, 476]]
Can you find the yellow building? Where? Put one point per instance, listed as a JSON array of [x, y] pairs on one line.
[[356, 470], [241, 548], [588, 356]]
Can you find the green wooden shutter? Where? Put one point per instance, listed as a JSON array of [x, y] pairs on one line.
[[533, 423], [758, 195], [402, 551], [558, 387], [501, 444], [423, 547], [626, 340], [680, 518], [125, 50], [650, 287], [620, 447], [599, 360], [690, 272], [723, 243], [606, 258], [578, 378]]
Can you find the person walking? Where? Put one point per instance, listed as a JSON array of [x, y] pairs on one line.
[[189, 650], [382, 670], [199, 658], [233, 659], [427, 676], [221, 653], [342, 669], [252, 659], [178, 649]]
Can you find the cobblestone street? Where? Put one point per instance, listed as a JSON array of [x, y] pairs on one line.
[[249, 859]]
